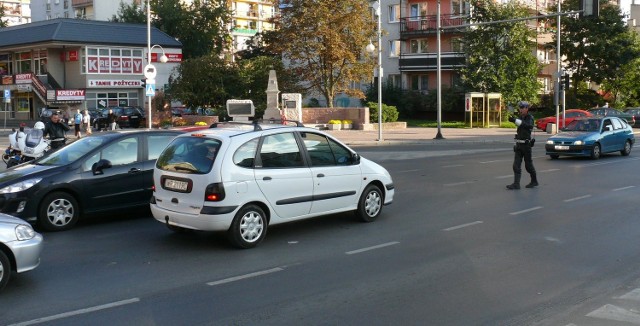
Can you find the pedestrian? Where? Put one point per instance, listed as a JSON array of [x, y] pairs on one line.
[[77, 123], [86, 122], [112, 118], [56, 131], [522, 147]]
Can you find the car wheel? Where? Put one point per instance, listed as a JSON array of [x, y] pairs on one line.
[[554, 156], [595, 151], [627, 148], [370, 204], [5, 270], [248, 228], [59, 211]]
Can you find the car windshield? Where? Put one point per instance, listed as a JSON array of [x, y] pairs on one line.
[[71, 152], [587, 125], [191, 155]]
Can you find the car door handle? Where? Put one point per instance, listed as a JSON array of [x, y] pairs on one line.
[[320, 175], [134, 170], [266, 178]]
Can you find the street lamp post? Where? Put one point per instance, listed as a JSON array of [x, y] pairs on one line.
[[370, 48], [149, 69]]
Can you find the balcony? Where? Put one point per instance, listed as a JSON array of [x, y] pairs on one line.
[[81, 3], [426, 25], [428, 61]]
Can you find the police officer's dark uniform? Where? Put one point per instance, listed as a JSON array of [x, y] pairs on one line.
[[522, 148], [56, 130]]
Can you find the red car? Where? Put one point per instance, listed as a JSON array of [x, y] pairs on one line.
[[569, 114]]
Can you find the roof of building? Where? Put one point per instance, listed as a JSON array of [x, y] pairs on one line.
[[80, 31]]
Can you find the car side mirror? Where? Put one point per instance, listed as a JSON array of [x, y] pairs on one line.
[[97, 167], [355, 159]]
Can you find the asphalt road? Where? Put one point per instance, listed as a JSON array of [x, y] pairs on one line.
[[455, 248]]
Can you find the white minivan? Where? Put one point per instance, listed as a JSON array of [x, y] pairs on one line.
[[240, 178]]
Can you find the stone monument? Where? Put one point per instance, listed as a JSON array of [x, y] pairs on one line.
[[272, 111]]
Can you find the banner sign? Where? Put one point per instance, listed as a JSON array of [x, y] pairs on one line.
[[23, 79], [115, 83], [173, 57], [107, 65], [70, 95]]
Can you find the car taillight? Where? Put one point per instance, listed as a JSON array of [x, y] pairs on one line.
[[214, 192], [124, 117]]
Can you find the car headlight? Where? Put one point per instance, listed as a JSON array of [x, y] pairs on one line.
[[24, 232], [20, 186], [549, 142], [578, 142]]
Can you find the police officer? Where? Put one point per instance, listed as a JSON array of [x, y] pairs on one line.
[[522, 148], [56, 130]]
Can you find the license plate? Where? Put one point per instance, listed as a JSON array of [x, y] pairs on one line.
[[562, 148], [134, 117], [176, 185]]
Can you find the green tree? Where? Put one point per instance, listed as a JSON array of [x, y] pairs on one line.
[[199, 26], [499, 56], [206, 81], [597, 48], [130, 13], [625, 87], [3, 23], [323, 41]]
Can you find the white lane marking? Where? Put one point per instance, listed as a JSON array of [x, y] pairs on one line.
[[548, 170], [452, 166], [494, 161], [77, 312], [633, 295], [407, 171], [242, 277], [623, 188], [504, 176], [611, 312], [526, 210], [458, 183], [576, 198], [462, 226], [372, 248], [607, 162]]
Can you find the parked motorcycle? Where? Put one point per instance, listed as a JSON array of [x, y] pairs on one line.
[[35, 146], [16, 144]]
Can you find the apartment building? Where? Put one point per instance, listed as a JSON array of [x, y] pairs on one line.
[[249, 17], [82, 9], [16, 12]]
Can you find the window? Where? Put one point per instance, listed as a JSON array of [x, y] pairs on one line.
[[280, 151], [457, 7], [457, 44], [418, 46], [157, 143], [189, 155], [394, 13], [112, 61], [395, 80], [23, 62], [394, 48], [616, 124], [418, 10], [324, 151], [419, 82], [245, 154], [121, 152]]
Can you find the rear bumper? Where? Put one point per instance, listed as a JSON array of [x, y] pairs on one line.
[[203, 222]]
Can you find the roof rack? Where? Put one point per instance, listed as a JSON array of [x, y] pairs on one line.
[[256, 123]]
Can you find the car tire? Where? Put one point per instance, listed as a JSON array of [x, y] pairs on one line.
[[554, 156], [627, 148], [248, 228], [5, 270], [59, 211], [370, 204], [596, 151]]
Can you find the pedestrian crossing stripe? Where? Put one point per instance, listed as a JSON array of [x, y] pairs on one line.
[[151, 89]]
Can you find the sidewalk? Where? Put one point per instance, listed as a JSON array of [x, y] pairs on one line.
[[416, 135]]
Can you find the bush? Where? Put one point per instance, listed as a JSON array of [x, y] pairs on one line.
[[335, 122], [389, 113], [179, 122], [347, 122], [200, 123]]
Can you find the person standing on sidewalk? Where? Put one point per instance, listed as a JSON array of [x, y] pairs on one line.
[[112, 118], [522, 148], [77, 123]]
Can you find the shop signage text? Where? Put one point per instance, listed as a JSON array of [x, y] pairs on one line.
[[115, 83], [70, 95]]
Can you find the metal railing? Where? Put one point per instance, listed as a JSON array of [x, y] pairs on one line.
[[429, 23]]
